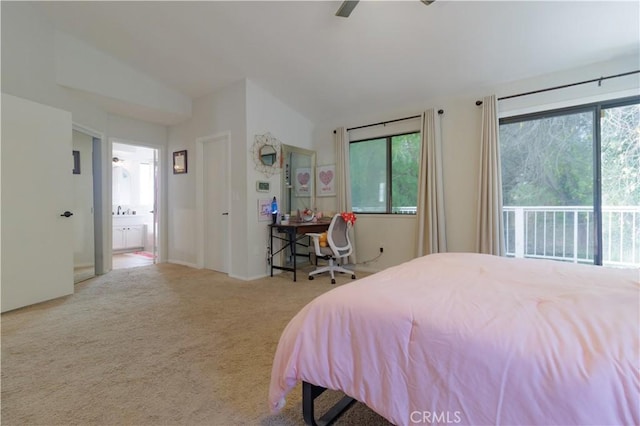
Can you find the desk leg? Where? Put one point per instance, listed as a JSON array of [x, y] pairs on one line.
[[292, 242], [271, 248]]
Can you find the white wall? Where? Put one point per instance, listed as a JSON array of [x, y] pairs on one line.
[[222, 111], [29, 59], [28, 65], [244, 110], [460, 139], [266, 113], [80, 66]]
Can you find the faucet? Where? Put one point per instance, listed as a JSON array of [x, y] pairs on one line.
[[119, 209]]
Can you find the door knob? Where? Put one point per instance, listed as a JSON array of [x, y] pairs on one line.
[[67, 214], [225, 214]]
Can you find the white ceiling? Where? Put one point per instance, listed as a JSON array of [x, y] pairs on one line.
[[393, 52]]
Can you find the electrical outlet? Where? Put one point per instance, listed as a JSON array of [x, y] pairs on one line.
[[381, 250]]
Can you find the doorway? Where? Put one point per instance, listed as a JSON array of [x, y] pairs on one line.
[[134, 205], [88, 215], [84, 253]]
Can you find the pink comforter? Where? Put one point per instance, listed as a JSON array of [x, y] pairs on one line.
[[474, 339]]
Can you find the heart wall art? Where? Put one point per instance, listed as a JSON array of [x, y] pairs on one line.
[[303, 182], [326, 181]]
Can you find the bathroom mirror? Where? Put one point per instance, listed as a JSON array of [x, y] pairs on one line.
[[121, 179], [298, 179]]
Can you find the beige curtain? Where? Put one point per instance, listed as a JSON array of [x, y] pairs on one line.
[[490, 238], [431, 221], [343, 189]]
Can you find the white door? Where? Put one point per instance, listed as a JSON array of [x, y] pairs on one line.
[[37, 238], [216, 204]]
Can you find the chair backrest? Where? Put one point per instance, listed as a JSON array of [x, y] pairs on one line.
[[338, 236]]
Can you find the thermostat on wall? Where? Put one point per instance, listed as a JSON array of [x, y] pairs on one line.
[[262, 186]]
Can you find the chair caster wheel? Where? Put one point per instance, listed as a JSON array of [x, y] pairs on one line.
[[333, 281], [353, 277], [310, 277]]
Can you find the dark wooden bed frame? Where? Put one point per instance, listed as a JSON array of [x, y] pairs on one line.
[[309, 393]]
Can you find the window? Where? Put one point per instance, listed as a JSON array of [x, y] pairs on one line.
[[146, 184], [384, 174], [571, 184]]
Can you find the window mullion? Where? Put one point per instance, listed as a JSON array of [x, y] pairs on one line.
[[389, 175], [597, 185]]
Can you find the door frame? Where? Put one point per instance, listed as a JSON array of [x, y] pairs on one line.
[[222, 137], [160, 201], [99, 203]]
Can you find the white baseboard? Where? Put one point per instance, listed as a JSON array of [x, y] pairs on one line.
[[254, 277], [183, 263], [366, 269]]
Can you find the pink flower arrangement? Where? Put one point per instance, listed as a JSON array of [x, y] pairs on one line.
[[349, 217]]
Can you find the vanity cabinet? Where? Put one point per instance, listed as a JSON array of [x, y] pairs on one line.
[[128, 237]]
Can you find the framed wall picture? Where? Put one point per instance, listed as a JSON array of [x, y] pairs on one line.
[[264, 210], [76, 162], [326, 181], [303, 182], [180, 162]]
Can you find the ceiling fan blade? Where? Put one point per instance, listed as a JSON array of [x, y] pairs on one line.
[[346, 8]]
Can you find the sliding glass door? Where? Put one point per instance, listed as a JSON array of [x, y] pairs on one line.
[[571, 184], [620, 184]]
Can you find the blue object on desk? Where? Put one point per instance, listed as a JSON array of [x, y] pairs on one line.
[[274, 210]]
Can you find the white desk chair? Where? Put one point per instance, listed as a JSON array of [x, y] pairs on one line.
[[338, 247]]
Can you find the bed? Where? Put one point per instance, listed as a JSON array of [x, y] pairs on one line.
[[475, 339]]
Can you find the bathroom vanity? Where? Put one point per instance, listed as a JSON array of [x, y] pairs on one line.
[[129, 233]]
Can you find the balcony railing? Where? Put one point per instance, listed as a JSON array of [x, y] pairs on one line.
[[568, 233]]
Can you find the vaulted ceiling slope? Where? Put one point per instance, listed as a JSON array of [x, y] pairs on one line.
[[386, 52]]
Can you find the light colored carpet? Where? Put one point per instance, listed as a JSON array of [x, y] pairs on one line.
[[160, 344]]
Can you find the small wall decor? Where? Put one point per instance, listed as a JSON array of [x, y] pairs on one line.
[[303, 182], [76, 162], [266, 154], [264, 210], [180, 162], [326, 181], [262, 186]]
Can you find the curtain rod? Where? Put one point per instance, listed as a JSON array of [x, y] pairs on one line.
[[599, 80], [383, 123]]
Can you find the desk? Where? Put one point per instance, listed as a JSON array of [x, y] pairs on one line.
[[295, 231]]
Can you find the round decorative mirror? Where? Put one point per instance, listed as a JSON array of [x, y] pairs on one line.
[[266, 154]]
